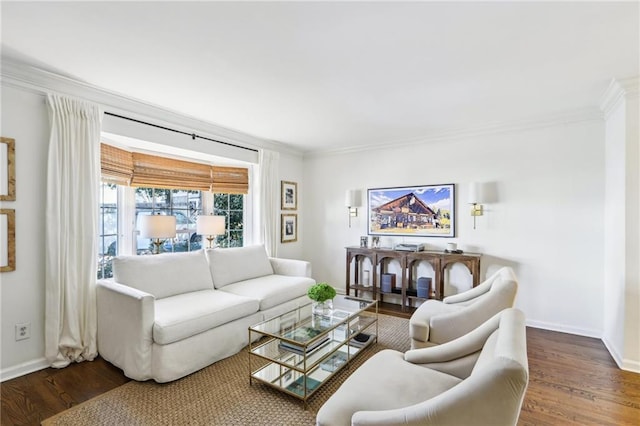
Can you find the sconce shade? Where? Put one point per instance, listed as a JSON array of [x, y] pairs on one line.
[[352, 198], [474, 193], [157, 226], [210, 225]]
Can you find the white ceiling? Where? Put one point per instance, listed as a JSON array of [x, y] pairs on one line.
[[330, 75]]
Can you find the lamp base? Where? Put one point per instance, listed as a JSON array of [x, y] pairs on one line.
[[156, 244], [210, 240]]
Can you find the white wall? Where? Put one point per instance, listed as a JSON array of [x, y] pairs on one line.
[[622, 228], [545, 222], [24, 118]]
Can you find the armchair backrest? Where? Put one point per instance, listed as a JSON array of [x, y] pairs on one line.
[[482, 290], [446, 327]]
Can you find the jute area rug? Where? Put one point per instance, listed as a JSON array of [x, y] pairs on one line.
[[220, 394]]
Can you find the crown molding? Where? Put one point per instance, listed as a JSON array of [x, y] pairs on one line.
[[619, 90], [551, 120], [36, 80]]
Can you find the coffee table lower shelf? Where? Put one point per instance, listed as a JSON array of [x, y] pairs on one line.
[[294, 381]]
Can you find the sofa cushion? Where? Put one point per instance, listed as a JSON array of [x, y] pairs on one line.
[[164, 275], [271, 290], [188, 314], [235, 264]]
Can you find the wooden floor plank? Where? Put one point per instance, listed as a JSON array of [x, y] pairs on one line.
[[573, 381]]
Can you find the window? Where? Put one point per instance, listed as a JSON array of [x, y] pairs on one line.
[[137, 184], [232, 207], [108, 229], [185, 205]]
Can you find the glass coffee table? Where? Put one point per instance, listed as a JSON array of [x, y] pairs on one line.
[[298, 351]]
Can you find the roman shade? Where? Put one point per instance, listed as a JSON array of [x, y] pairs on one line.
[[123, 167], [116, 165]]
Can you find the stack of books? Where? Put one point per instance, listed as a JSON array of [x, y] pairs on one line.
[[302, 335], [361, 339]]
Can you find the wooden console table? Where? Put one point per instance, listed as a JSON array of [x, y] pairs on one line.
[[408, 260]]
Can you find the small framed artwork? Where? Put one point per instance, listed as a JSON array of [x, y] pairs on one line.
[[288, 227], [8, 169], [364, 241], [289, 195], [7, 240]]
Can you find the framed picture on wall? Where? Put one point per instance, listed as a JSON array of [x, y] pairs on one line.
[[7, 170], [288, 227], [288, 195], [412, 211], [7, 240]]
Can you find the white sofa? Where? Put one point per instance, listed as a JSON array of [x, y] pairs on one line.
[[165, 316]]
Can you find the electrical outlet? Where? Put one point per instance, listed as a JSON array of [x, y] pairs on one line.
[[23, 331]]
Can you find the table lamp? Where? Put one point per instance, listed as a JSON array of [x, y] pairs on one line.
[[210, 226], [158, 228]]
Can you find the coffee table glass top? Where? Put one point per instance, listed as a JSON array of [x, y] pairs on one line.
[[302, 327]]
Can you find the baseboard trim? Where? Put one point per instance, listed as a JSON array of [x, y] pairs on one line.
[[565, 329], [23, 369], [623, 364]]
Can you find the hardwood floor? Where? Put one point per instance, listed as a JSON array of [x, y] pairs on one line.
[[573, 381], [29, 399]]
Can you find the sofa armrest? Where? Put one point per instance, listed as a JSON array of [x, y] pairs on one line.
[[291, 267], [125, 327]]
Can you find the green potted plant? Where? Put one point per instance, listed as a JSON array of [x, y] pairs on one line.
[[322, 295]]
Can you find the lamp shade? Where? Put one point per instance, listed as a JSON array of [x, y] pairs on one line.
[[475, 195], [157, 226], [210, 225], [352, 198]]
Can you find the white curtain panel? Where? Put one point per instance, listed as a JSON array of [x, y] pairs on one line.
[[73, 180], [269, 200]]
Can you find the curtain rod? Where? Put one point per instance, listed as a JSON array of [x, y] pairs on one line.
[[193, 135]]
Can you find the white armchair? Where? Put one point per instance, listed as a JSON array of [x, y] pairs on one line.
[[436, 322], [477, 379]]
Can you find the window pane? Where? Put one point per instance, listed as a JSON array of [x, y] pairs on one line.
[[109, 220], [108, 229], [234, 218], [235, 239], [236, 201], [235, 221], [221, 202]]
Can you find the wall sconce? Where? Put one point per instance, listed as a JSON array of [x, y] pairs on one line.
[[157, 227], [352, 201], [210, 226], [474, 200]]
